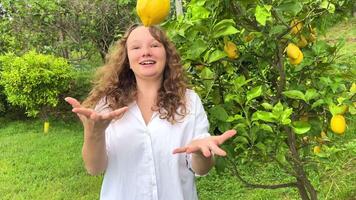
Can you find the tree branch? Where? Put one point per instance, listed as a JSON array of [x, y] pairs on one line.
[[253, 185]]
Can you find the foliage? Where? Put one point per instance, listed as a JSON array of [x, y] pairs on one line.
[[34, 81], [271, 103], [70, 29]]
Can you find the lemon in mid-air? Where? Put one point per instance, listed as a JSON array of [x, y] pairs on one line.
[[152, 12]]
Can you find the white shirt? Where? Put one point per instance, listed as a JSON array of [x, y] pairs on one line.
[[141, 165]]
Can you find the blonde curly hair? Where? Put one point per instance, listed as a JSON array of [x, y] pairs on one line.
[[116, 82]]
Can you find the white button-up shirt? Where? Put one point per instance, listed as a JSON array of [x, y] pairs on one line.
[[141, 165]]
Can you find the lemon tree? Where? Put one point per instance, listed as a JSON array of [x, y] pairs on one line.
[[261, 69]]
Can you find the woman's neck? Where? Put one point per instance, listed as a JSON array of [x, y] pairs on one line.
[[148, 89]]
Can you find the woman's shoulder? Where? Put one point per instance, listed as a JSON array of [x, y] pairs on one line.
[[193, 98], [191, 94]]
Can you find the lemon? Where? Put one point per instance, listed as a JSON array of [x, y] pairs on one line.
[[152, 12], [312, 37], [249, 37], [302, 42], [338, 124], [317, 149], [295, 54], [231, 50], [296, 26], [293, 51]]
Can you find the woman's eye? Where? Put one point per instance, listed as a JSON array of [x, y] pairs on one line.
[[135, 47], [155, 45]]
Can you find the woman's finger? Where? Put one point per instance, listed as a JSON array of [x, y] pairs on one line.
[[216, 150], [73, 102], [83, 111], [205, 151], [225, 136], [114, 114], [180, 150]]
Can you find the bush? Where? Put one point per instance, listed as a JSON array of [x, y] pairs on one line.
[[34, 81], [79, 88]]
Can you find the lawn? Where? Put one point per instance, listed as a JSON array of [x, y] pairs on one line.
[[34, 165], [38, 166]]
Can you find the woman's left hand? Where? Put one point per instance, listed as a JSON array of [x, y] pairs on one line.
[[207, 146]]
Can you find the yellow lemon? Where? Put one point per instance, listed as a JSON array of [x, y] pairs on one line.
[[296, 26], [231, 50], [338, 124], [249, 37], [293, 51], [302, 42], [152, 12], [296, 61], [317, 149], [312, 37]]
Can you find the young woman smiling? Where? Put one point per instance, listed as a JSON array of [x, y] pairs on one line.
[[142, 126]]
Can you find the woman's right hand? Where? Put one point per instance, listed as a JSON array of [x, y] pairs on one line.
[[94, 122]]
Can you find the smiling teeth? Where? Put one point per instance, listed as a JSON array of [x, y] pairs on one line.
[[147, 62]]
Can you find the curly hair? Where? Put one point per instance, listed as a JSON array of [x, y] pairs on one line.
[[116, 82]]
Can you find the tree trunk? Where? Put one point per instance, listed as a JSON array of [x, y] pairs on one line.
[[305, 188], [179, 7]]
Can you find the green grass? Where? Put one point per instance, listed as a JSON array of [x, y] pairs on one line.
[[344, 31], [38, 166]]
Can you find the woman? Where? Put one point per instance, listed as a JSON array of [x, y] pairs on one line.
[[147, 131]]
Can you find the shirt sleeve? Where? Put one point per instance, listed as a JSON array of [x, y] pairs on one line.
[[201, 127]]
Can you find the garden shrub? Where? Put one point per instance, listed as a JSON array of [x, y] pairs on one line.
[[34, 81]]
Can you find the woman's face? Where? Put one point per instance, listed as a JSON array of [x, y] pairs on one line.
[[147, 56]]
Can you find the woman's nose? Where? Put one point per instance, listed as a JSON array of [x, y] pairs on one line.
[[146, 51]]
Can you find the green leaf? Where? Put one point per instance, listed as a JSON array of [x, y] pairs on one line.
[[241, 139], [336, 110], [262, 147], [277, 29], [234, 118], [328, 6], [301, 127], [206, 73], [262, 14], [352, 110], [318, 103], [199, 12], [277, 110], [266, 127], [267, 106], [224, 27], [311, 94], [353, 89], [215, 56], [219, 113], [281, 157], [263, 115], [294, 94], [291, 7], [284, 119], [239, 82], [197, 48], [255, 92]]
